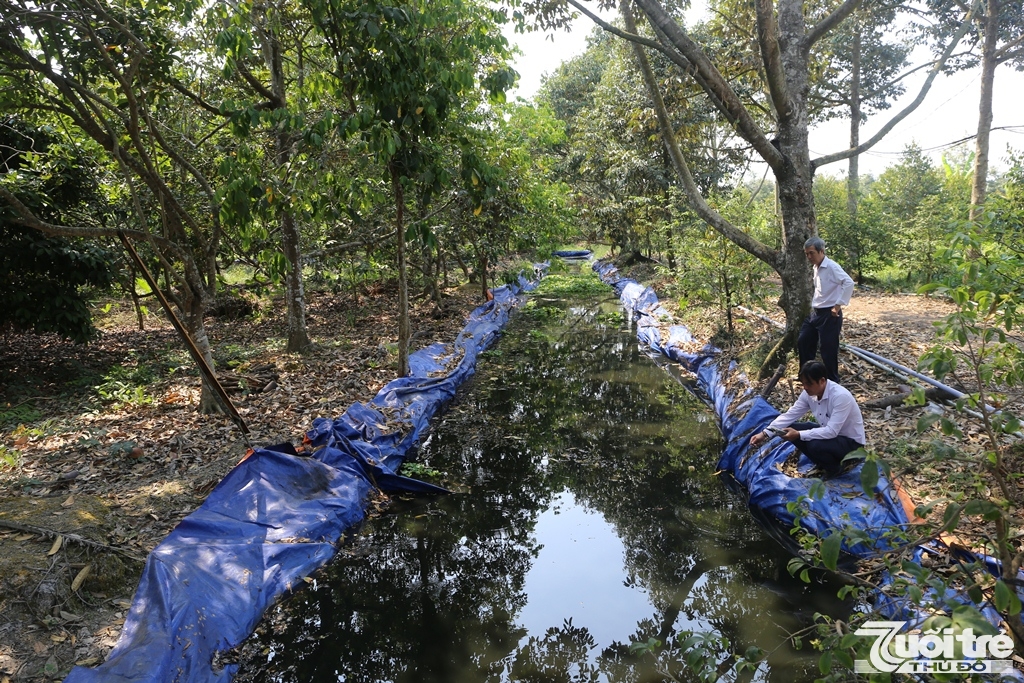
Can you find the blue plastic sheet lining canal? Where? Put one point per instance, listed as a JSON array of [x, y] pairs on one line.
[[573, 254], [741, 413], [277, 516]]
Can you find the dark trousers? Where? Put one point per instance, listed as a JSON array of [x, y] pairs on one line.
[[824, 328], [827, 454]]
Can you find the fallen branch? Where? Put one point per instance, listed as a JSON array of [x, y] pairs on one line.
[[934, 394], [773, 381], [74, 538]]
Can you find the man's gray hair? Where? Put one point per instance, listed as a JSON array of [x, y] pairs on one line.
[[816, 243]]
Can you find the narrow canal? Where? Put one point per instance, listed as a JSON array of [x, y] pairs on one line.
[[587, 517]]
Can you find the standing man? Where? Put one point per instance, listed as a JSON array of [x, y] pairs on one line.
[[832, 290], [839, 429]]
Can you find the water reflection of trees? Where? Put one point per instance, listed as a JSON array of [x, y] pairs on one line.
[[432, 594]]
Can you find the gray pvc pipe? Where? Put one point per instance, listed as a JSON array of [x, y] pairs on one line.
[[884, 368], [908, 371], [762, 317]]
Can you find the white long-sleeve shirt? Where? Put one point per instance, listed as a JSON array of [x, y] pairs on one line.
[[837, 412], [831, 285]]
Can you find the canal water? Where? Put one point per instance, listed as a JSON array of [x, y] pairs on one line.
[[587, 517]]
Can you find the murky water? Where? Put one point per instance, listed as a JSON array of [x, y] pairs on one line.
[[588, 517]]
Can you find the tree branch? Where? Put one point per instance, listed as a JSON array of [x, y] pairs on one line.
[[256, 85], [74, 538], [1006, 51], [696, 200], [27, 218], [180, 87], [664, 47], [830, 22], [768, 41], [632, 37], [846, 154], [714, 84]]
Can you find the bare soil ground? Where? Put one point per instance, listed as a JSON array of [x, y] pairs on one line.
[[111, 477], [90, 484]]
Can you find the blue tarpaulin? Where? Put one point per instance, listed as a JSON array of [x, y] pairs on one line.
[[277, 516], [574, 254], [756, 471], [742, 413]]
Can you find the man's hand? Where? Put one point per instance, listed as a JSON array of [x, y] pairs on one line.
[[790, 434], [758, 439], [837, 310]]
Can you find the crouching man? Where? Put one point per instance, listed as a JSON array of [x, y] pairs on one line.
[[840, 427]]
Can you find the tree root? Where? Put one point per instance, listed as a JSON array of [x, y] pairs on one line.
[[778, 355], [74, 538]]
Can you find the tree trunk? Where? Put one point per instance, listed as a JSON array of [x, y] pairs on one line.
[[298, 334], [430, 275], [195, 310], [979, 185], [442, 263], [797, 203], [670, 250], [483, 266], [853, 176], [462, 264], [795, 180], [785, 43], [727, 300], [403, 276]]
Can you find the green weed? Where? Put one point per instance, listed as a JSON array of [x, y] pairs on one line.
[[9, 458], [44, 428], [538, 312], [610, 318], [126, 385], [584, 283], [19, 414], [418, 470]]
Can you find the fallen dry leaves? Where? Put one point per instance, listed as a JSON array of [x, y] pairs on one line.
[[123, 473]]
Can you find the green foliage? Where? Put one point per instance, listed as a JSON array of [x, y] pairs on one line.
[[10, 458], [614, 159], [525, 142], [716, 271], [860, 247], [538, 312], [126, 385], [907, 217], [569, 90], [984, 269], [23, 413], [45, 281]]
